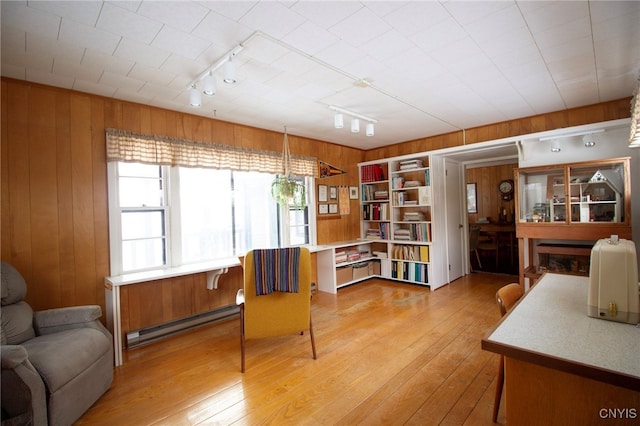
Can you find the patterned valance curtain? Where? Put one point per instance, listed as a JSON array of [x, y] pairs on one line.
[[153, 149], [634, 137]]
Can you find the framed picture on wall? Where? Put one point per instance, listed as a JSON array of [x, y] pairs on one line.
[[333, 209], [323, 208], [472, 198], [353, 192], [322, 193], [333, 193]]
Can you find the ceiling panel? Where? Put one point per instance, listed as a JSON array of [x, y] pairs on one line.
[[418, 68]]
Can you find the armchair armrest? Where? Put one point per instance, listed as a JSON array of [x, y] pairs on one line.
[[13, 355], [54, 320], [26, 403]]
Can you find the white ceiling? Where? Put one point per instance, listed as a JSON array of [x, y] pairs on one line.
[[428, 67]]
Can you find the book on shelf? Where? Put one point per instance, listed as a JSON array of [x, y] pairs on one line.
[[412, 183], [427, 177], [380, 254], [414, 232], [381, 194], [410, 164], [407, 252], [372, 173], [397, 182], [377, 211], [413, 216], [424, 195]]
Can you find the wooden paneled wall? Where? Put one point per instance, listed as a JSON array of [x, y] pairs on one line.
[[54, 213], [54, 220], [489, 200]]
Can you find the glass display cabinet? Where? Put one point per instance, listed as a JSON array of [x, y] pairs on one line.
[[584, 201]]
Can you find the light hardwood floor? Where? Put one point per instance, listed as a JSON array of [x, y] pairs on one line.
[[388, 354]]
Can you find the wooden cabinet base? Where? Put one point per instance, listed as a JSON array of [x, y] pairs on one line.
[[537, 395]]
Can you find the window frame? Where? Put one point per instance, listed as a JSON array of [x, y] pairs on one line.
[[171, 189]]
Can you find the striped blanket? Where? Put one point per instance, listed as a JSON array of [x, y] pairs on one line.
[[276, 270]]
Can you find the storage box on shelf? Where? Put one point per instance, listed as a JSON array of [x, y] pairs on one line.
[[347, 263]]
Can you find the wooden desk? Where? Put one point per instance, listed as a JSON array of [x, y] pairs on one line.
[[563, 367]]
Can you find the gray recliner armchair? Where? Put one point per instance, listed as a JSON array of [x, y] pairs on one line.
[[55, 363]]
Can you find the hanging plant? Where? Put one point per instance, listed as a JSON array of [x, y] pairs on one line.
[[286, 189]]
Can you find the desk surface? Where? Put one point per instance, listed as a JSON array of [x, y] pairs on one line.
[[496, 227], [550, 327]]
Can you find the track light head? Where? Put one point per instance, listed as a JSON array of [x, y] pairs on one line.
[[355, 125], [230, 72], [195, 100], [210, 85], [338, 120], [369, 129]]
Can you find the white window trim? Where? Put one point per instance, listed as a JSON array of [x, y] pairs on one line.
[[172, 231]]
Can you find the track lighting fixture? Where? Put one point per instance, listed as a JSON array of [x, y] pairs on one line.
[[230, 72], [208, 79], [588, 141], [195, 100], [355, 125], [369, 129], [338, 120], [210, 85], [555, 146]]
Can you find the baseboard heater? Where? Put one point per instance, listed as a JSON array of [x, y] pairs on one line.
[[153, 333]]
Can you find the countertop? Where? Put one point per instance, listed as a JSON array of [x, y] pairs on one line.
[[550, 327]]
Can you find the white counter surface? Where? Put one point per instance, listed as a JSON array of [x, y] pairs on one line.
[[550, 327]]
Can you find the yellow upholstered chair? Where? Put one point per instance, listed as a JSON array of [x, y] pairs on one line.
[[278, 313]]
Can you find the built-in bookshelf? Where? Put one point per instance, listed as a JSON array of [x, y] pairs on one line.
[[396, 210]]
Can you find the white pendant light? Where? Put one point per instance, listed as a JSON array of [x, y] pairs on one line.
[[230, 72], [355, 125], [369, 129], [338, 121], [210, 85], [195, 100]]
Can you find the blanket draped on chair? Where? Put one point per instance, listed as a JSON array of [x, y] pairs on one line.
[[276, 270]]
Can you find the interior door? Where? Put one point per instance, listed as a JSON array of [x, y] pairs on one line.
[[454, 195]]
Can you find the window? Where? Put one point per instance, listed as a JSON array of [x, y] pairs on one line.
[[163, 216]]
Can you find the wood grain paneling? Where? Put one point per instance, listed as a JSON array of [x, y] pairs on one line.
[[489, 200], [54, 196], [54, 191]]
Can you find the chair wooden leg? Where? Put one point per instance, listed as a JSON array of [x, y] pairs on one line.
[[242, 339], [478, 258], [499, 385], [313, 341]]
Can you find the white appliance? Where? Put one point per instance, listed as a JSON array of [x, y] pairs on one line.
[[613, 281]]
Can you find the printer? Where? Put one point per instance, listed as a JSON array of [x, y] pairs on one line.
[[613, 281]]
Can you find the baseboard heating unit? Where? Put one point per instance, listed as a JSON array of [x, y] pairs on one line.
[[150, 334]]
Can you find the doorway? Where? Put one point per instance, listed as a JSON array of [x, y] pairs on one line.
[[486, 165]]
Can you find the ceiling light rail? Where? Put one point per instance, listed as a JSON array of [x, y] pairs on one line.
[[338, 120], [358, 81]]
